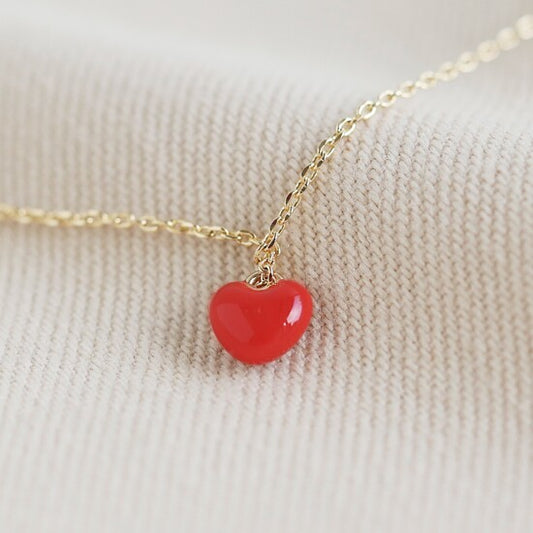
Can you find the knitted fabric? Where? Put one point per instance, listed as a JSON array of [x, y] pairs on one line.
[[407, 405]]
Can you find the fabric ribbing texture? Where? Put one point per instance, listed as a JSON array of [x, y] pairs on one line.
[[406, 406]]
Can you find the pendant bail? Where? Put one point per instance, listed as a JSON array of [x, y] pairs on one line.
[[265, 259], [263, 277]]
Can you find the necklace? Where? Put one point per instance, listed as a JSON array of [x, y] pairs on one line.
[[259, 319]]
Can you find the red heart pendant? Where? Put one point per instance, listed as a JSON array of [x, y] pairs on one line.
[[259, 325]]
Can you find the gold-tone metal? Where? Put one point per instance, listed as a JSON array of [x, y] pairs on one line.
[[268, 248], [98, 219], [263, 278], [486, 51]]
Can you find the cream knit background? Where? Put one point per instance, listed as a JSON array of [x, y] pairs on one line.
[[407, 407]]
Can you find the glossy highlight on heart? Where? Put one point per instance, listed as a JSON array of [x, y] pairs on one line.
[[257, 326]]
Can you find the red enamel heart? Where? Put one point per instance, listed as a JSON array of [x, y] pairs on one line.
[[259, 325]]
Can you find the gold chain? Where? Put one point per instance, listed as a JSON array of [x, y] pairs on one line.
[[268, 247], [486, 51], [98, 219]]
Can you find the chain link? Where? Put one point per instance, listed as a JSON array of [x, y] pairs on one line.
[[147, 223], [508, 38], [268, 248]]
